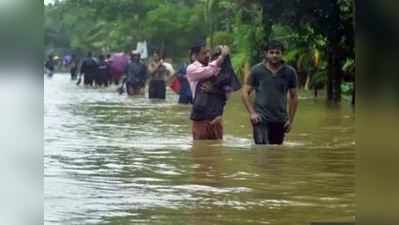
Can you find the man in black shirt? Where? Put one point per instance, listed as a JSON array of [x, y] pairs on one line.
[[50, 66], [272, 80], [103, 71], [89, 70], [136, 75], [74, 67]]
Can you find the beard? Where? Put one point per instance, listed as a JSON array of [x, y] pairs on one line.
[[274, 61], [205, 61]]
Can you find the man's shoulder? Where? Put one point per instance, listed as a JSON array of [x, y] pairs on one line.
[[84, 61], [256, 69], [257, 66], [167, 65], [289, 69], [90, 61], [102, 65], [193, 65], [130, 65]]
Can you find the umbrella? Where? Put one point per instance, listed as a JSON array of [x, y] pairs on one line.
[[118, 64]]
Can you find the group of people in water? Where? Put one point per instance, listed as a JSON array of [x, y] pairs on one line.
[[206, 82]]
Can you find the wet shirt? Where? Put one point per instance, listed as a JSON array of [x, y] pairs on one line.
[[197, 72], [103, 69], [271, 91], [162, 72], [206, 105], [89, 66], [136, 72]]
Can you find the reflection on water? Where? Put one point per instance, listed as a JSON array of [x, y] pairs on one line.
[[113, 159]]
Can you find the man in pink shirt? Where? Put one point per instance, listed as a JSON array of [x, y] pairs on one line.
[[207, 108]]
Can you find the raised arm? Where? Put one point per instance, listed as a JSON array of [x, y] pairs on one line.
[[197, 72], [152, 67]]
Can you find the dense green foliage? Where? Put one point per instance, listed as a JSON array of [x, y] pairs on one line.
[[319, 34]]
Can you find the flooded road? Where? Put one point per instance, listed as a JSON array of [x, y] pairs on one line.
[[112, 159]]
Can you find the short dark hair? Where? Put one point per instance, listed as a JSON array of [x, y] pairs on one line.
[[197, 46], [157, 51], [274, 44], [195, 50]]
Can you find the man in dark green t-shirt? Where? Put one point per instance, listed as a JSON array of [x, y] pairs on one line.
[[272, 81]]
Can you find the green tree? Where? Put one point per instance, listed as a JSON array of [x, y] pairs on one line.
[[332, 19]]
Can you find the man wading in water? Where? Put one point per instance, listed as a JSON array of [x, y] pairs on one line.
[[136, 75], [185, 95], [159, 74], [88, 70], [207, 108], [271, 79], [50, 66]]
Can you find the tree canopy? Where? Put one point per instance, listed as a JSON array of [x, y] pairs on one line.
[[319, 34]]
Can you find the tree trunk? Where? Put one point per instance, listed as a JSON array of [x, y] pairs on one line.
[[307, 83], [267, 25], [207, 16], [211, 34], [354, 93], [301, 79], [334, 76], [354, 74], [334, 73], [209, 20]]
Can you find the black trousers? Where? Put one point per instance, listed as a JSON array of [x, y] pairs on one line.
[[157, 89], [74, 73], [88, 79], [269, 133], [101, 80], [134, 88], [184, 99]]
